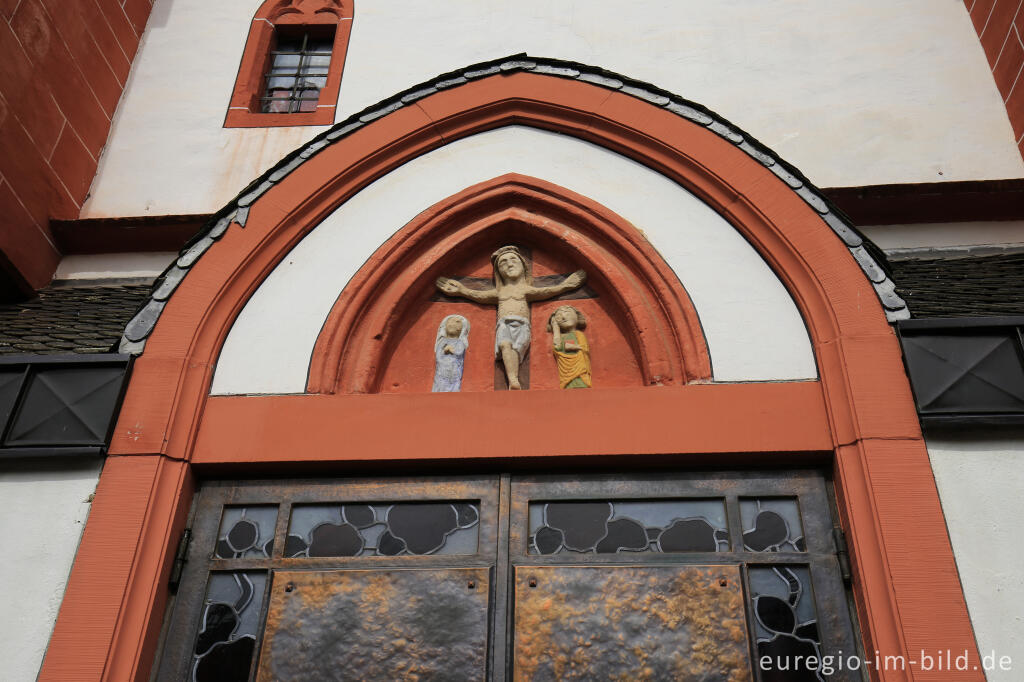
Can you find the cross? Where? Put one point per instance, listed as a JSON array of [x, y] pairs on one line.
[[513, 292]]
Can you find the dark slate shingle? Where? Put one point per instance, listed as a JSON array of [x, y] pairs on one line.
[[70, 319], [973, 286]]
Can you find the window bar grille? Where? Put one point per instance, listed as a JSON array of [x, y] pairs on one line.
[[303, 87]]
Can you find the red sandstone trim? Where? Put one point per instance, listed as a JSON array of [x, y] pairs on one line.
[[1000, 26]]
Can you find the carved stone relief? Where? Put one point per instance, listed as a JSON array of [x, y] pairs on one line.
[[513, 292], [450, 353], [570, 347]]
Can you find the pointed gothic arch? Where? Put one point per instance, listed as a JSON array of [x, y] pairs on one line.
[[859, 416], [660, 321]]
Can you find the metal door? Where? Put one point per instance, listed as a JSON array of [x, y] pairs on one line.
[[699, 576]]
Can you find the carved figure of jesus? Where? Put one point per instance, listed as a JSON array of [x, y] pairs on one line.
[[513, 292]]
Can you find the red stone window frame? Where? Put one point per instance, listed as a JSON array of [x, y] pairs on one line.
[[273, 15]]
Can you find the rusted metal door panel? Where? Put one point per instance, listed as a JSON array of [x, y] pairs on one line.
[[684, 623], [425, 624]]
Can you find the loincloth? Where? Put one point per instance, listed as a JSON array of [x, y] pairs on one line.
[[515, 330]]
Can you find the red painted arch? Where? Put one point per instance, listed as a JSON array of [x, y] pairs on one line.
[[905, 582], [661, 320]]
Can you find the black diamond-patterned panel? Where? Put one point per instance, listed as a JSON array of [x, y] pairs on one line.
[[10, 385], [66, 406], [966, 373]]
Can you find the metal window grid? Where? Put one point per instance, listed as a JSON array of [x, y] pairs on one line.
[[303, 81]]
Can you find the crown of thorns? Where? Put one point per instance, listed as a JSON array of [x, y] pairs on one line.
[[506, 249]]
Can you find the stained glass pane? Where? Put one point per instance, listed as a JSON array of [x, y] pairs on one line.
[[383, 529], [772, 524], [785, 623], [230, 623], [615, 526], [246, 532]]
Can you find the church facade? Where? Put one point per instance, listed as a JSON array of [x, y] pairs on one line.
[[538, 343]]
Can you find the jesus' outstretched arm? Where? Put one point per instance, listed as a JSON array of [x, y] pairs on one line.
[[453, 287], [573, 281]]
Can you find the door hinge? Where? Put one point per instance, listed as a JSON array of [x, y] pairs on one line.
[[180, 557], [842, 554]]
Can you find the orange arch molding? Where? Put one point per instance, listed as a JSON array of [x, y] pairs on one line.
[[663, 323], [860, 416]]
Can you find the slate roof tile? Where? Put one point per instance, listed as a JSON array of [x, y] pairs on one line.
[[66, 319], [971, 286]]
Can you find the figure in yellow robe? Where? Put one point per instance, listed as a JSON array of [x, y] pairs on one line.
[[570, 347]]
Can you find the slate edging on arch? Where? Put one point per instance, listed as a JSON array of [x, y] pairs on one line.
[[236, 211]]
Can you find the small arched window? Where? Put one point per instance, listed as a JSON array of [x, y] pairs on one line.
[[290, 73]]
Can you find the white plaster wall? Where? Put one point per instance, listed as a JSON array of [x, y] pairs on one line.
[[753, 329], [854, 92], [44, 513], [897, 238], [980, 483], [114, 265]]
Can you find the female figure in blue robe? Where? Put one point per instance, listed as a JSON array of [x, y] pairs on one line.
[[450, 353]]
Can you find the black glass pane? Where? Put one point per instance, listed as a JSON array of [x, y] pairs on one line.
[[221, 620], [691, 535], [808, 631], [224, 550], [583, 524], [389, 545], [243, 535], [330, 539], [227, 661], [359, 515], [422, 527], [624, 535], [246, 531], [772, 524], [784, 659], [775, 614], [769, 531], [294, 546], [548, 540]]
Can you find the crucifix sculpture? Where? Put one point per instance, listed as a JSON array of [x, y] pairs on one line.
[[513, 292]]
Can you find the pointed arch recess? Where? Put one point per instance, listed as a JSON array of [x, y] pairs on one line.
[[660, 319], [860, 416]]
